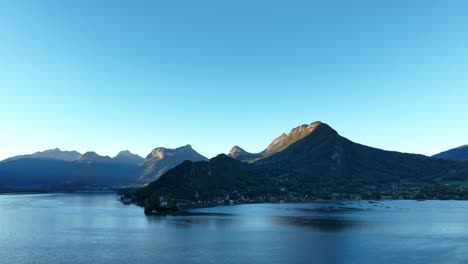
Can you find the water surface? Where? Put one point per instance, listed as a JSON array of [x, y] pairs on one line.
[[96, 228]]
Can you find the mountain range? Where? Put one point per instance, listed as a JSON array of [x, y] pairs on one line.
[[310, 159], [54, 154], [69, 170], [90, 156]]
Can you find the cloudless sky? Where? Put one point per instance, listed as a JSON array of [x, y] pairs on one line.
[[111, 75]]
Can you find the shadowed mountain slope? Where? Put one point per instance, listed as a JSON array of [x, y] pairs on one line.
[[309, 159], [325, 157], [35, 174], [89, 170], [279, 144], [93, 157], [54, 154], [460, 153], [128, 158], [203, 178], [160, 160]]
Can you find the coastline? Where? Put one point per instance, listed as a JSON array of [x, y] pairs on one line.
[[186, 210], [20, 192]]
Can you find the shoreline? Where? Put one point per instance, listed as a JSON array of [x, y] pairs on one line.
[[55, 192], [186, 211]]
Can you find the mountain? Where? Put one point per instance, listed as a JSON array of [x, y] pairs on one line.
[[93, 157], [128, 157], [54, 154], [50, 170], [86, 171], [460, 153], [160, 160], [90, 156], [203, 179], [49, 175], [324, 157], [279, 144], [123, 157], [242, 155], [311, 160], [286, 140]]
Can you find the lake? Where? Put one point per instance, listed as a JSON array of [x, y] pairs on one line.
[[96, 228]]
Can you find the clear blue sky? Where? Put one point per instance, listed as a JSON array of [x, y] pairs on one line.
[[110, 75]]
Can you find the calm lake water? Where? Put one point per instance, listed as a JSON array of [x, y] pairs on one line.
[[96, 228]]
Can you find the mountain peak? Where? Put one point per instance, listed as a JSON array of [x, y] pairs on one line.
[[280, 143], [157, 153], [124, 153], [240, 154], [91, 156], [162, 159], [221, 156], [160, 152], [126, 156], [296, 134], [304, 128], [236, 150]]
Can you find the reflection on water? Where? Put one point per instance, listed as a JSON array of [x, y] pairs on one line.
[[96, 228], [321, 224], [195, 220]]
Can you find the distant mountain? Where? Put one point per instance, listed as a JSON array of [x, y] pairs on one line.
[[160, 160], [49, 174], [460, 153], [311, 160], [279, 144], [93, 157], [242, 155], [86, 171], [54, 154], [128, 157], [124, 157], [60, 170]]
